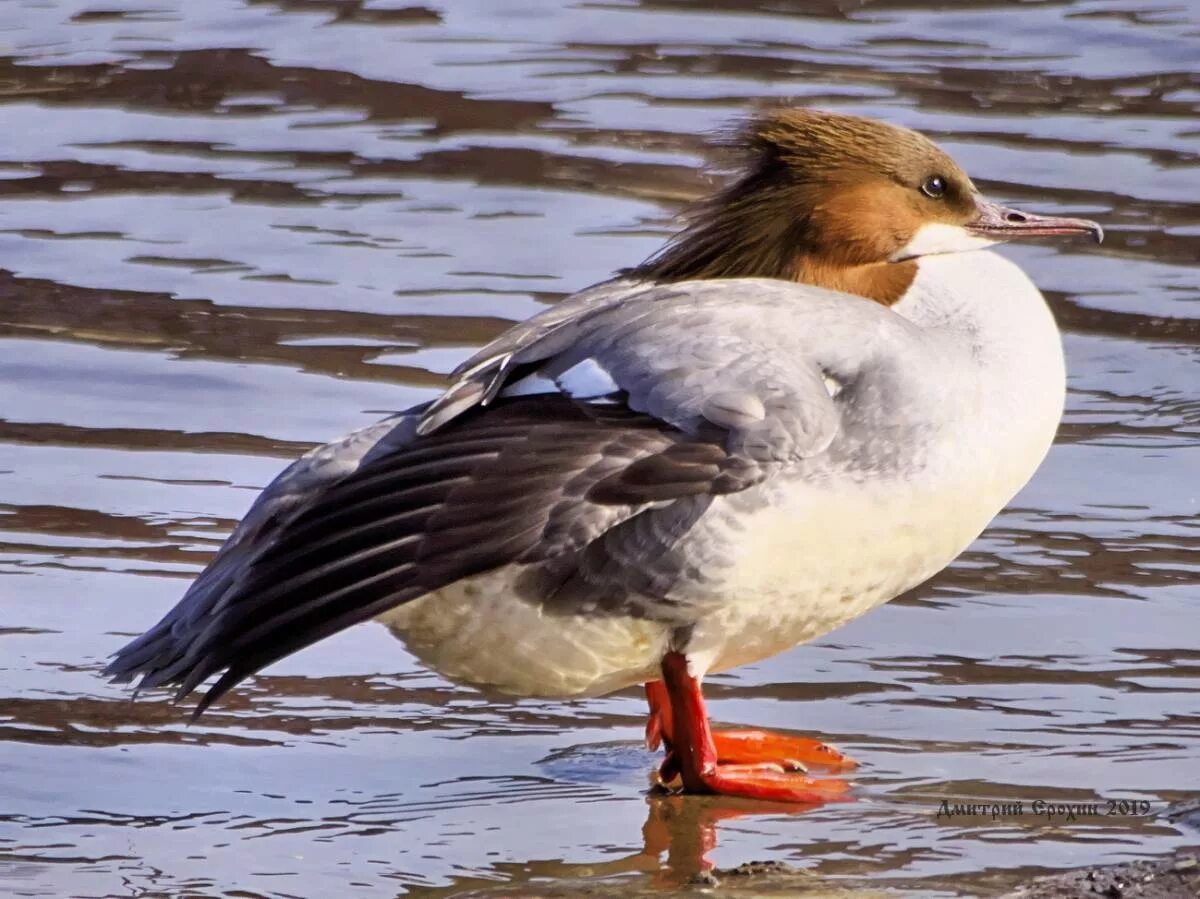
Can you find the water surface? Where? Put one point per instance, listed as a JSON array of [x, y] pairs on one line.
[[231, 229]]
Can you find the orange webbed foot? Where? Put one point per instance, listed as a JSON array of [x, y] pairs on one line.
[[752, 746], [771, 782]]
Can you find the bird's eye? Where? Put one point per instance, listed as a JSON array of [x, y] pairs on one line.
[[934, 187]]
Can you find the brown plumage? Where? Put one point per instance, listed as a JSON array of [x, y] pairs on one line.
[[823, 198]]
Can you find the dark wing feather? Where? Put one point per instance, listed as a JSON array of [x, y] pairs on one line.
[[524, 481]]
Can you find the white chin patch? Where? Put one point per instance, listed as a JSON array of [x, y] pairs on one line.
[[938, 238]]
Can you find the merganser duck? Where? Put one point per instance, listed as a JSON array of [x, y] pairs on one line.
[[811, 400]]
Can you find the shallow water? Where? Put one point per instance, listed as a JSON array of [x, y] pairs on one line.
[[233, 228]]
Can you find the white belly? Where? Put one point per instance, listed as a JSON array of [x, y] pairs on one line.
[[478, 631], [823, 558]]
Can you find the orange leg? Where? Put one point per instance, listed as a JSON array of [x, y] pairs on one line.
[[755, 764]]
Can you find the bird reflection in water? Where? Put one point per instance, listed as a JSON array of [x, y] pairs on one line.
[[685, 829], [678, 837]]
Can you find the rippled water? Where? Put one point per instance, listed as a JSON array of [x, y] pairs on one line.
[[231, 228]]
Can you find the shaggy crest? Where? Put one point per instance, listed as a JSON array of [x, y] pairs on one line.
[[823, 198]]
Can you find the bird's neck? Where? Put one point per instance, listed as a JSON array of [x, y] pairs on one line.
[[743, 240], [884, 282], [987, 304]]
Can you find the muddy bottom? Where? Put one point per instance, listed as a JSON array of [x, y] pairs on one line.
[[1174, 877]]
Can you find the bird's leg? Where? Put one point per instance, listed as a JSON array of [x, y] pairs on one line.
[[695, 756], [658, 725], [658, 730], [741, 745]]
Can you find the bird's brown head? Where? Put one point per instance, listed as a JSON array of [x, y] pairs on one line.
[[841, 202]]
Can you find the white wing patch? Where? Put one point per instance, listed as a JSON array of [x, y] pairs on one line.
[[586, 380], [531, 385]]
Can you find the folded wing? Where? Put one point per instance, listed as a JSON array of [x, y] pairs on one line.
[[587, 484]]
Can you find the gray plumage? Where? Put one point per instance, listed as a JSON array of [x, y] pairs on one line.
[[722, 385]]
